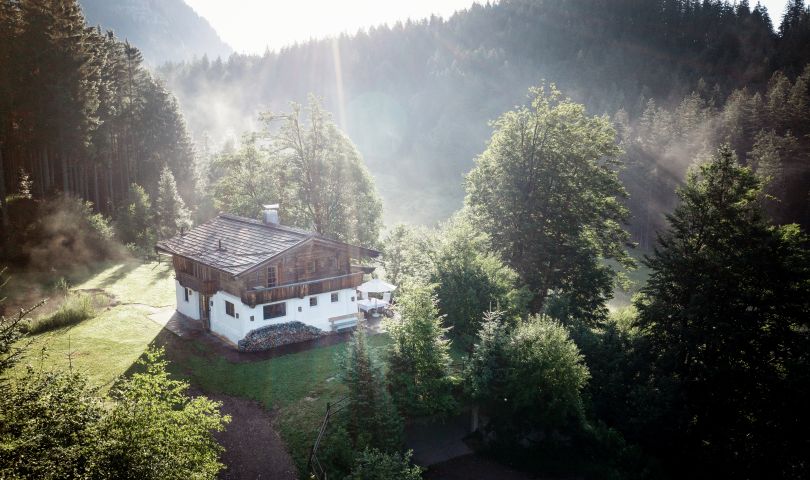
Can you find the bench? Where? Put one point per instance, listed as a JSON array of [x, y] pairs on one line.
[[344, 322]]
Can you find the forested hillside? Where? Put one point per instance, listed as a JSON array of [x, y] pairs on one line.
[[417, 97], [164, 30], [81, 116]]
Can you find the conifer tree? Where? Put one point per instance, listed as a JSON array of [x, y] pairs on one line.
[[373, 420], [726, 313], [170, 210], [134, 223], [419, 360]]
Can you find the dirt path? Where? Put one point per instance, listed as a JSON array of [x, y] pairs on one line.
[[253, 449], [473, 467]]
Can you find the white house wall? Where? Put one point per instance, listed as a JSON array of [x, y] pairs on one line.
[[190, 308], [234, 329], [222, 323]]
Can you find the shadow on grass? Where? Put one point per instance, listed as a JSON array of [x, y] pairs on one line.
[[122, 271]]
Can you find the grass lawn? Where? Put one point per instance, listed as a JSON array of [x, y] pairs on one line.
[[297, 386], [104, 347]]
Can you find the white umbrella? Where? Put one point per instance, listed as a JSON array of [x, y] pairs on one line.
[[376, 286]]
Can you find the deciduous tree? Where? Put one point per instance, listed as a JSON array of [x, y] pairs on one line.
[[546, 189]]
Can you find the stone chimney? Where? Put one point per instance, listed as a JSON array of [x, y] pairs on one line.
[[271, 214]]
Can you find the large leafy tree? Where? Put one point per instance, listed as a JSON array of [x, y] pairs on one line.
[[547, 191], [726, 314], [407, 254], [471, 280], [245, 179], [329, 187], [419, 360]]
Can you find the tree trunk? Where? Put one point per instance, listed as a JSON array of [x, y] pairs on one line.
[[95, 187], [3, 211], [65, 178]]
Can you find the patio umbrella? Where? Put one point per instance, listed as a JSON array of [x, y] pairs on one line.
[[376, 286]]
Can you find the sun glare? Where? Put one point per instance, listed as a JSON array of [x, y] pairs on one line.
[[251, 26]]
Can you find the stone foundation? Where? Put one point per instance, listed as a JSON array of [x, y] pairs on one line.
[[273, 336]]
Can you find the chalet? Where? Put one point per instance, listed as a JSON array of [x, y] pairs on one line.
[[259, 284]]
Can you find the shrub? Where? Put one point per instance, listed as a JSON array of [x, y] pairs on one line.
[[529, 380], [55, 425], [76, 308], [372, 464]]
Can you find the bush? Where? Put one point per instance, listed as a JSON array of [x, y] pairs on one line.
[[60, 234], [76, 308], [529, 379], [372, 464], [55, 425]]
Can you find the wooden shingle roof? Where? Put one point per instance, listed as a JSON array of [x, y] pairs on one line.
[[235, 244]]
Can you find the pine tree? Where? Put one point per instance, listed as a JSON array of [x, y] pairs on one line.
[[134, 223], [419, 360], [170, 210], [725, 311], [373, 420]]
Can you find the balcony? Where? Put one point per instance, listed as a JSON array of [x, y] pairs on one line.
[[205, 287], [255, 297]]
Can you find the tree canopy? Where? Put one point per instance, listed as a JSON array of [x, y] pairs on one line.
[[547, 191], [310, 168]]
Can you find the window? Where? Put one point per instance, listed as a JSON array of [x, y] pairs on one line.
[[272, 278], [275, 310], [352, 299], [311, 266], [185, 293], [334, 297], [229, 308], [313, 301]]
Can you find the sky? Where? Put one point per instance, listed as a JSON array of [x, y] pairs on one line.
[[250, 26]]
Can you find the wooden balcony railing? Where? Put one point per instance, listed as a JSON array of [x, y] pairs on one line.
[[205, 287], [255, 297]]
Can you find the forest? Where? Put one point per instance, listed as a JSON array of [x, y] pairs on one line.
[[596, 213], [416, 97]]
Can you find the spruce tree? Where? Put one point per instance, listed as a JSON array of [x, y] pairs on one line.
[[419, 360], [725, 312], [373, 420], [134, 220], [170, 210]]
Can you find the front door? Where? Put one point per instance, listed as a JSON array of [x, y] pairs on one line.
[[205, 311]]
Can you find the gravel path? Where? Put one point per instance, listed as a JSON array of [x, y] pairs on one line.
[[253, 449]]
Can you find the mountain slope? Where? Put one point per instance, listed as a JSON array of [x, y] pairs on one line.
[[417, 97], [164, 30]]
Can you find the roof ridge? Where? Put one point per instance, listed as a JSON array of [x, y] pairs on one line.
[[251, 221]]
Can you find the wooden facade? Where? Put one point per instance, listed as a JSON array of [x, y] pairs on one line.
[[312, 268]]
